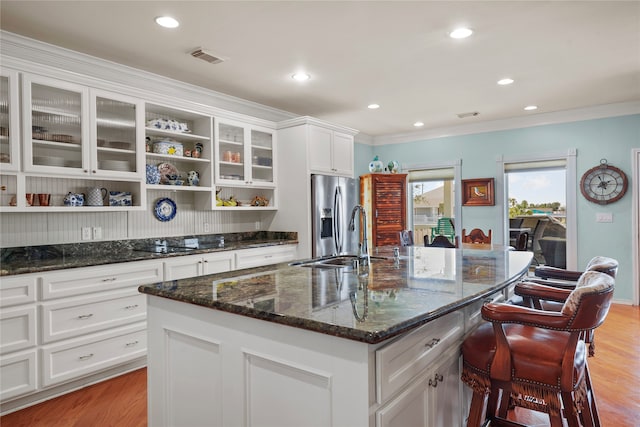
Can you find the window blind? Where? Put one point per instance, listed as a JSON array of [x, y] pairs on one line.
[[430, 174], [536, 165]]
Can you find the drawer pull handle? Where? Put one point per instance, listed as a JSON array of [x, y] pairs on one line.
[[434, 381], [432, 343], [85, 357], [110, 279], [131, 307], [85, 316], [131, 344]]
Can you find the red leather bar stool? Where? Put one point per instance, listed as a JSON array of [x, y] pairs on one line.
[[547, 299], [536, 359]]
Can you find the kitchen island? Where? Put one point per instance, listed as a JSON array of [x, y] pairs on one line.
[[321, 343]]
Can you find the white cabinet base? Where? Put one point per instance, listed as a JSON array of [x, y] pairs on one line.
[[252, 372], [211, 367]]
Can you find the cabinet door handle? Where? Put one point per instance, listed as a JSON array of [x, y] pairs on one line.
[[131, 307], [434, 381], [110, 279], [131, 344], [432, 343], [85, 316], [86, 356], [206, 261]]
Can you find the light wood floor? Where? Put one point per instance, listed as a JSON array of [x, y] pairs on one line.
[[122, 401]]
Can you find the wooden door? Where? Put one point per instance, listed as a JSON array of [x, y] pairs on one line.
[[388, 207]]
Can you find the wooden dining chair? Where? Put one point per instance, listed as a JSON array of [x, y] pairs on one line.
[[476, 236], [440, 242], [406, 238], [497, 357]]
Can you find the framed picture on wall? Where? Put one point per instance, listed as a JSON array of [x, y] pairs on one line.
[[477, 192]]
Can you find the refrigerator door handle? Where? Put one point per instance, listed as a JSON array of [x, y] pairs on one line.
[[337, 217]]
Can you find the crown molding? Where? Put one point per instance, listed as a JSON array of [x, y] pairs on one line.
[[34, 56], [566, 116], [307, 120]]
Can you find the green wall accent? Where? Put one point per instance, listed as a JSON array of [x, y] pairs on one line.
[[610, 138]]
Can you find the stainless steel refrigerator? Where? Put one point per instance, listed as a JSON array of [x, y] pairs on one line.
[[333, 199]]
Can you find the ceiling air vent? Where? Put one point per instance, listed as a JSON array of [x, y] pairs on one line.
[[465, 115], [200, 53]]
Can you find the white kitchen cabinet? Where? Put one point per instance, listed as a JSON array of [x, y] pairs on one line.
[[432, 399], [17, 328], [75, 316], [60, 329], [20, 289], [9, 120], [18, 373], [245, 165], [198, 265], [80, 281], [75, 130], [56, 132], [18, 335], [74, 135], [304, 144], [400, 362], [330, 152], [85, 355], [256, 257], [321, 380]]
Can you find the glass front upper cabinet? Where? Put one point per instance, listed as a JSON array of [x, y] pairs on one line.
[[55, 131], [244, 155], [117, 134], [9, 121]]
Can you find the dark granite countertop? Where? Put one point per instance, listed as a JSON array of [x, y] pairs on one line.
[[393, 298], [32, 259]]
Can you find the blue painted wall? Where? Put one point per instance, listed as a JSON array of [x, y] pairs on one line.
[[610, 138]]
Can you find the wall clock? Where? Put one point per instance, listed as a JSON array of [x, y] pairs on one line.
[[603, 184]]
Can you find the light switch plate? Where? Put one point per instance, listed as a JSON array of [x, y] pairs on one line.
[[604, 217], [86, 233], [97, 233]]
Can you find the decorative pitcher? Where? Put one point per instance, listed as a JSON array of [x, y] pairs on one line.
[[96, 196]]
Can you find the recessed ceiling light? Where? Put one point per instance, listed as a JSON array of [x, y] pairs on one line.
[[504, 82], [301, 76], [167, 22], [418, 124], [531, 107], [373, 106], [460, 33]]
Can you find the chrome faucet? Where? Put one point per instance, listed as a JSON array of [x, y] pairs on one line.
[[363, 256]]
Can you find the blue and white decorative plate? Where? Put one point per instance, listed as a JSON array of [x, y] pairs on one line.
[[165, 209]]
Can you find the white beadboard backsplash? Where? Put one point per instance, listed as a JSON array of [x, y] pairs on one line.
[[28, 229]]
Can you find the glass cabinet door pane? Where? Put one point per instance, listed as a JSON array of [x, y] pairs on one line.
[[5, 149], [230, 157], [116, 135], [56, 126], [261, 156]]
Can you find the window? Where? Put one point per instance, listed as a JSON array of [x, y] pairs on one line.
[[432, 197]]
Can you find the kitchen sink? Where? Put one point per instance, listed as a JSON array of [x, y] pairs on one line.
[[164, 249], [339, 261]]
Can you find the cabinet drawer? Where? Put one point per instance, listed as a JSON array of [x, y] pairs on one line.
[[86, 355], [400, 362], [81, 315], [247, 258], [17, 328], [18, 373], [79, 281], [20, 289]]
